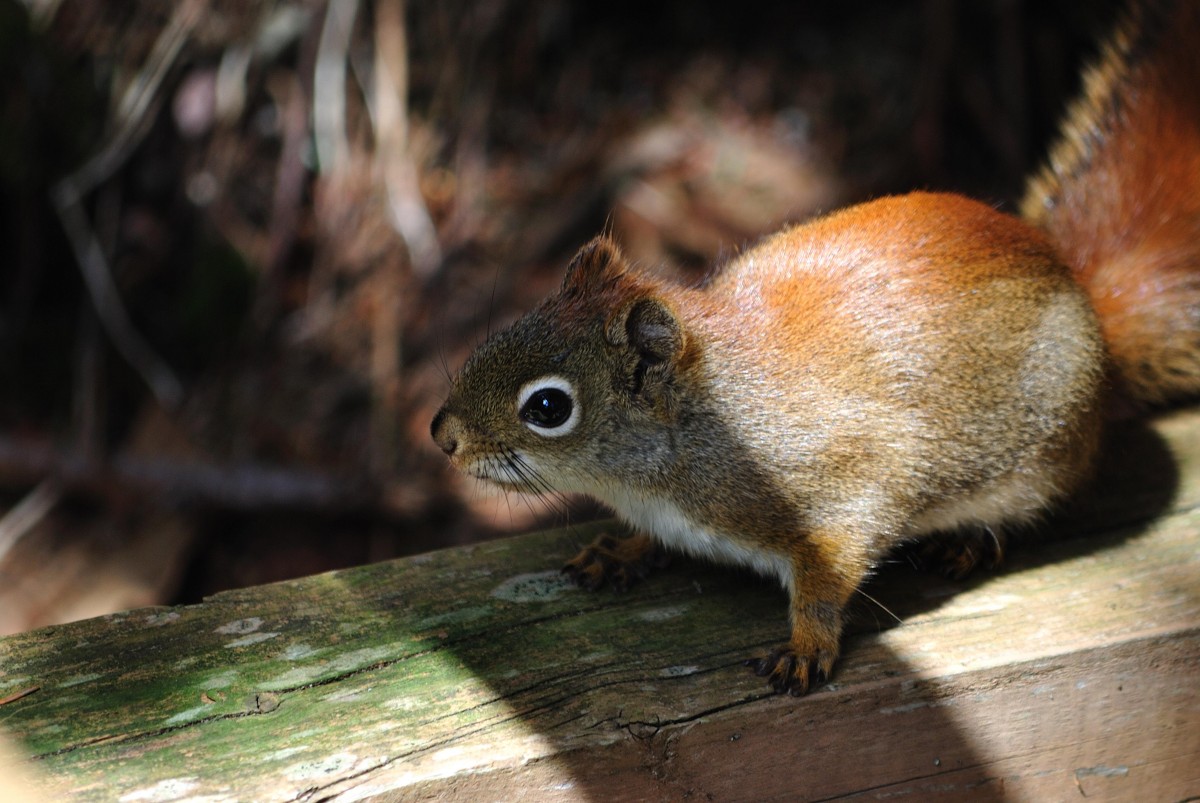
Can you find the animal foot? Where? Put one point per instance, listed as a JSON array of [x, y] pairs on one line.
[[620, 562], [792, 673]]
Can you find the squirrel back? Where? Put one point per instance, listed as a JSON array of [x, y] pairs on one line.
[[1120, 199]]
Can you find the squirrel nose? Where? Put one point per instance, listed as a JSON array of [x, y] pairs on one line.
[[441, 433]]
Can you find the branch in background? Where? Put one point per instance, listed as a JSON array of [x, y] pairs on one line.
[[388, 103], [26, 514], [111, 311], [238, 486], [329, 86], [292, 97], [88, 400], [290, 181], [133, 119]]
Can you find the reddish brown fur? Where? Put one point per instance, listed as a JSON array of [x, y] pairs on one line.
[[1121, 199]]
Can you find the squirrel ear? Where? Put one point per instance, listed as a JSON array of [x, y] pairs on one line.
[[601, 258], [650, 328]]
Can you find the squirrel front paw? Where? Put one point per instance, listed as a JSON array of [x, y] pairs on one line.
[[794, 673], [620, 562], [807, 660]]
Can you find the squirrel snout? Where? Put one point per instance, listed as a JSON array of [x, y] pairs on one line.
[[443, 435]]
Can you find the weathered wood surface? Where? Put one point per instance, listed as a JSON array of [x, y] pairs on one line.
[[477, 674]]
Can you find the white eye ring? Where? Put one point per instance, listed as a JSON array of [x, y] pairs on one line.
[[548, 383]]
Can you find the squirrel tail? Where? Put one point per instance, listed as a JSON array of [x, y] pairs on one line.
[[1120, 197]]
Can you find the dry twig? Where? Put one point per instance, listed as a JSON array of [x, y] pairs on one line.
[[389, 110], [26, 514], [133, 119], [329, 86]]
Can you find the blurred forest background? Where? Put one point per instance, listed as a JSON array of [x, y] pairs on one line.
[[246, 243]]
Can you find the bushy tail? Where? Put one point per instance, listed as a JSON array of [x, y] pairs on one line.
[[1121, 198]]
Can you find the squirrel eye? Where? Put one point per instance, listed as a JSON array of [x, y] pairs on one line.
[[548, 407]]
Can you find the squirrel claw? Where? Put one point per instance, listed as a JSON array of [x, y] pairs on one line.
[[588, 577], [620, 562], [789, 673]]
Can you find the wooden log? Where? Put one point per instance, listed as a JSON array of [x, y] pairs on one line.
[[479, 674]]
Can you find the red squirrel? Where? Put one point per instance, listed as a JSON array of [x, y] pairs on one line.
[[912, 365]]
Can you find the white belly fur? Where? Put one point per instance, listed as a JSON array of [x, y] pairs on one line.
[[663, 520]]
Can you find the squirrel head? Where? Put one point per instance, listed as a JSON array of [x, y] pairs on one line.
[[565, 396]]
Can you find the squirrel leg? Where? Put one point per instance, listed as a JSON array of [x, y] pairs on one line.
[[955, 555], [620, 562], [821, 590]]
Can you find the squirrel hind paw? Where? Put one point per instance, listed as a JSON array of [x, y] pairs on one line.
[[790, 673], [619, 562], [957, 555]]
